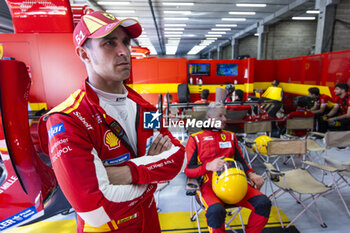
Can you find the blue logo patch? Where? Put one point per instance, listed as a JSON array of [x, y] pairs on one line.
[[17, 218], [118, 160], [59, 128], [151, 120]]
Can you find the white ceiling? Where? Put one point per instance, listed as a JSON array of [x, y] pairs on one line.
[[203, 16]]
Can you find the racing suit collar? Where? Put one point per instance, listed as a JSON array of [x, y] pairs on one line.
[[212, 129], [119, 99], [94, 100]]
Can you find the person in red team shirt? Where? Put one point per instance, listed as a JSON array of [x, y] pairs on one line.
[[339, 116], [322, 105], [205, 152], [322, 102], [301, 112], [204, 97], [106, 159]]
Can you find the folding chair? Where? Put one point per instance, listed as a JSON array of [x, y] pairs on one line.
[[196, 206], [282, 147], [308, 124], [295, 181], [338, 169], [247, 144], [300, 123]]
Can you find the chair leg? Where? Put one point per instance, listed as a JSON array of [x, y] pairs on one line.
[[306, 208], [240, 217], [273, 193], [339, 193]]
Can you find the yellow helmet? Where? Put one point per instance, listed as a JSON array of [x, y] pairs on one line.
[[261, 143], [230, 183]]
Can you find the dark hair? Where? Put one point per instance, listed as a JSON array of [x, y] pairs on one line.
[[276, 82], [342, 86], [205, 94], [314, 91], [302, 101], [240, 94]]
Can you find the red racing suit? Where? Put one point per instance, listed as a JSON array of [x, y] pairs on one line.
[[77, 136], [205, 146]]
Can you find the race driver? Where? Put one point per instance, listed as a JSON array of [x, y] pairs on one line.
[[106, 160], [205, 153]]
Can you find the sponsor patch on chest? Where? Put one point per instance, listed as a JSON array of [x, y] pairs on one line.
[[56, 129], [208, 138], [225, 144], [118, 160], [110, 140]]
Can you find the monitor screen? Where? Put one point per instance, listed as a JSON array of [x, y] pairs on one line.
[[226, 69], [199, 69]]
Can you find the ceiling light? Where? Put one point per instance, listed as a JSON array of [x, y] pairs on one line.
[[256, 34], [120, 11], [196, 49], [303, 18], [216, 32], [211, 38], [171, 49], [132, 17], [178, 12], [226, 25], [152, 50], [233, 19], [313, 12], [213, 35], [250, 5], [173, 32], [221, 29], [205, 42], [174, 25], [178, 3], [241, 13], [175, 18], [172, 41], [174, 29], [112, 3], [177, 36]]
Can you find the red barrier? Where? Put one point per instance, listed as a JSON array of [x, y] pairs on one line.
[[41, 16], [28, 180]]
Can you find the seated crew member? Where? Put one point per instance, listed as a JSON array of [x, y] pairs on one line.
[[274, 93], [300, 112], [237, 97], [204, 97], [322, 105], [339, 116], [205, 153], [106, 163]]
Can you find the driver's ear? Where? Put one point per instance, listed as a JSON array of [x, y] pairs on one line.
[[82, 54]]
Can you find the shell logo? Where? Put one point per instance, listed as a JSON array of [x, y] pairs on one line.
[[111, 140]]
